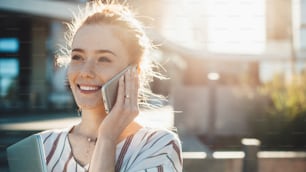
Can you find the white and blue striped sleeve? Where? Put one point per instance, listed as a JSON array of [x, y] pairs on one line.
[[161, 151]]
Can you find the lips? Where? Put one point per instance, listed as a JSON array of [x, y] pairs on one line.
[[87, 89]]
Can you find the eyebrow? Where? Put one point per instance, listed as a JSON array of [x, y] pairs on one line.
[[96, 51]]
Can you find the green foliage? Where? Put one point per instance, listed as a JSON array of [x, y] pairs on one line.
[[287, 97], [283, 123]]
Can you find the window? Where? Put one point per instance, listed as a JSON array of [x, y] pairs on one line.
[[9, 70], [9, 45]]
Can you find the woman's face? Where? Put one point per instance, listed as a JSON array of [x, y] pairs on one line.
[[97, 55]]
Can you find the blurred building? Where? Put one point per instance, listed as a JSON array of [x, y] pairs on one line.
[[240, 42], [31, 32]]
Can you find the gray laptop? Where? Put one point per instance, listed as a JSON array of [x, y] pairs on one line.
[[27, 155]]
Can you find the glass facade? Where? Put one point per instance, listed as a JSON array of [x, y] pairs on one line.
[[9, 71]]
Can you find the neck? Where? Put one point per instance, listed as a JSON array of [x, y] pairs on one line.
[[91, 120]]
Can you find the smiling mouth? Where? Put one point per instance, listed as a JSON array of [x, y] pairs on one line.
[[88, 89]]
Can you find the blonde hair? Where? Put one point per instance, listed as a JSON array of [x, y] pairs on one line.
[[130, 31]]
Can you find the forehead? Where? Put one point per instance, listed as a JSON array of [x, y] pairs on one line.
[[96, 37]]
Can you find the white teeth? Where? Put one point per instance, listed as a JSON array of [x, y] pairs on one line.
[[88, 88]]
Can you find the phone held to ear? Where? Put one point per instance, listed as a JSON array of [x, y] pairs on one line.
[[110, 90]]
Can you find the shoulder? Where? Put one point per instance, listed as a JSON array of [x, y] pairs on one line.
[[159, 135], [156, 148], [51, 135], [157, 140]]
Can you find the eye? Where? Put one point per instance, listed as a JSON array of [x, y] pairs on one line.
[[76, 58], [104, 59]]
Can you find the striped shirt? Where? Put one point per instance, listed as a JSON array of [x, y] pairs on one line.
[[148, 150]]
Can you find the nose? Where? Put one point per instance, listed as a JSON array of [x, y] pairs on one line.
[[87, 70]]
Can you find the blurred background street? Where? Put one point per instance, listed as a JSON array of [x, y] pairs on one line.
[[236, 69]]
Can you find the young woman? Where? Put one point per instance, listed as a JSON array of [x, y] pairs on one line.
[[102, 41]]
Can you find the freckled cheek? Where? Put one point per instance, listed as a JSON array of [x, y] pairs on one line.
[[103, 73]]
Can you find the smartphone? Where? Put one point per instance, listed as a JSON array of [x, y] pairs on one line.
[[110, 90]]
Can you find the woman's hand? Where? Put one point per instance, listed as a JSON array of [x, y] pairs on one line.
[[122, 114], [125, 109]]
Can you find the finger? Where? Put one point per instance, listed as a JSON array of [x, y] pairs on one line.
[[127, 83], [135, 85]]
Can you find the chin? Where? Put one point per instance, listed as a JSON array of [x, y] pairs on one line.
[[89, 106]]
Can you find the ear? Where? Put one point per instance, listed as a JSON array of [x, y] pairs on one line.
[[138, 68]]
